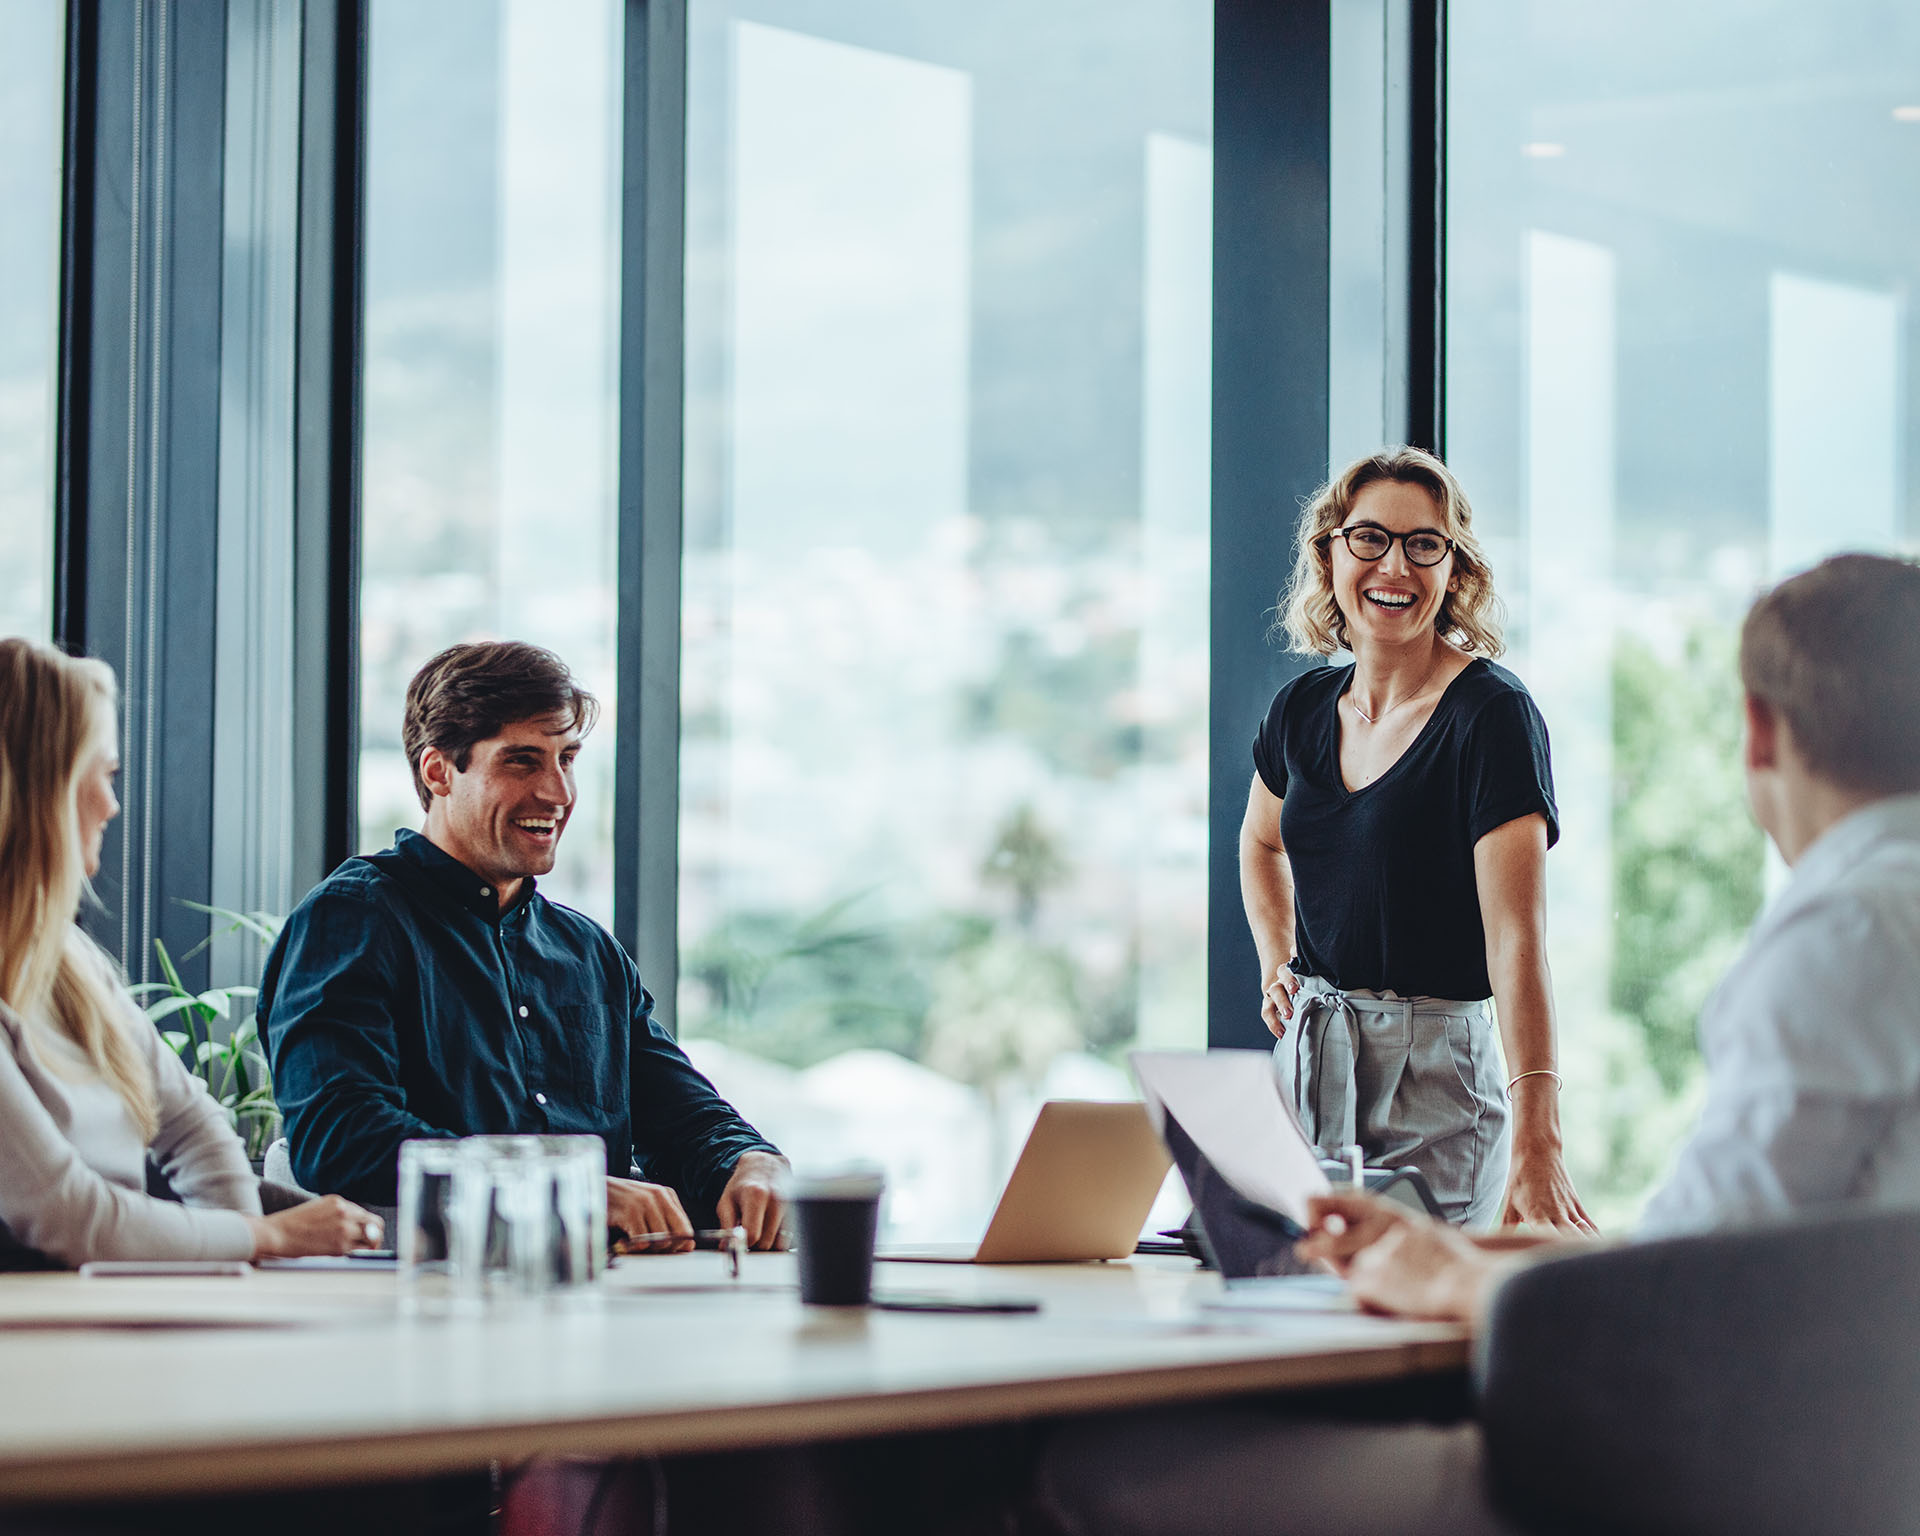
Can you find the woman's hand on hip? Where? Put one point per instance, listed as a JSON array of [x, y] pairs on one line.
[[1276, 999], [1540, 1194]]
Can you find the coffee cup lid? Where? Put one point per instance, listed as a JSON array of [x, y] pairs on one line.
[[862, 1181]]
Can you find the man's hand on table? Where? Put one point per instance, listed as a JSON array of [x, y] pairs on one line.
[[634, 1208], [1398, 1262], [754, 1199]]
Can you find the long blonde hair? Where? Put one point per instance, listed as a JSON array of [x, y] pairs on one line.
[[1470, 613], [50, 972]]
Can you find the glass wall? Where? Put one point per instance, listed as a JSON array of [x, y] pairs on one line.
[[1681, 257], [944, 687], [492, 326], [32, 67]]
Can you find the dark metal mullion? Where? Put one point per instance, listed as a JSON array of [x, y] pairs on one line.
[[138, 434], [180, 504], [1270, 285], [1427, 228], [327, 435], [652, 264], [76, 326]]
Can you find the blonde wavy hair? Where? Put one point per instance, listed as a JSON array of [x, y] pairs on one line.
[[51, 974], [1470, 614]]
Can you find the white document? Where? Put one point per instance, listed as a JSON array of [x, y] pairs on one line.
[[1230, 1105]]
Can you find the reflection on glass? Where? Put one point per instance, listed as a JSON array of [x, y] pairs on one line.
[[944, 690], [32, 44], [1678, 344], [492, 325]]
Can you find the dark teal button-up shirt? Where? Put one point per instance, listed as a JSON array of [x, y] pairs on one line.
[[400, 1002]]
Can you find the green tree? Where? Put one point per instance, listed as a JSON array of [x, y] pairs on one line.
[[1688, 859], [1027, 861], [800, 987]]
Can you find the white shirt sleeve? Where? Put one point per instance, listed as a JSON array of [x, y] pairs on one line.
[[52, 1200], [193, 1143], [1812, 1049]]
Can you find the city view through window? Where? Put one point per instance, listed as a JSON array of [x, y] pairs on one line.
[[944, 685], [1679, 339]]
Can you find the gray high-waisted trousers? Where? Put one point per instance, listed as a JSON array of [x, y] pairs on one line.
[[1416, 1081]]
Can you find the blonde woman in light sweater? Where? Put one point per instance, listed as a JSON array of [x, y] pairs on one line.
[[87, 1086]]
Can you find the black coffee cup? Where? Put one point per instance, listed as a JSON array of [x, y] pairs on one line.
[[836, 1219]]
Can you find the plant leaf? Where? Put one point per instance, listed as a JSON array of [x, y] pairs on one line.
[[167, 967], [177, 1039], [170, 1006], [264, 926]]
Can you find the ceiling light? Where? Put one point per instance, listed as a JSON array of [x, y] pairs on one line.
[[1543, 149], [1907, 114]]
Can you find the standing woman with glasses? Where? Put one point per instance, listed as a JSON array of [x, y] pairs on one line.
[[1393, 855]]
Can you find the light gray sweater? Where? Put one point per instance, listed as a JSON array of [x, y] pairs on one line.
[[73, 1164]]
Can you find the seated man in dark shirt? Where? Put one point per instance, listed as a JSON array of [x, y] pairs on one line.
[[431, 990]]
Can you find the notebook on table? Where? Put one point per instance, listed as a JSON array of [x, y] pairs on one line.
[[1082, 1188]]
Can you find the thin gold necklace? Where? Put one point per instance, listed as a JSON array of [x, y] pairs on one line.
[[1376, 719]]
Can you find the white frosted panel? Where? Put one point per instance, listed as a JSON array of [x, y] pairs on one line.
[[1834, 420], [30, 99], [851, 616], [1176, 487], [1356, 231], [558, 299], [1570, 527], [851, 226]]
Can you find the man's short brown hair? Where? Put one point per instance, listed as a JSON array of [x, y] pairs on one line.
[[1835, 651], [472, 692]]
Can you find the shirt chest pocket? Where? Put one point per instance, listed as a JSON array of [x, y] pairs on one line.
[[591, 1053]]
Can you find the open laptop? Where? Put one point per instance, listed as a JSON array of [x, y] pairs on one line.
[[1082, 1188]]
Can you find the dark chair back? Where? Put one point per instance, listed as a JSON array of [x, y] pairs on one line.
[[1737, 1384]]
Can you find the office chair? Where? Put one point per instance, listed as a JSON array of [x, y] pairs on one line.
[[1756, 1383]]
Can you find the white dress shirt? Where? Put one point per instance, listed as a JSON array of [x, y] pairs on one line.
[[1812, 1040]]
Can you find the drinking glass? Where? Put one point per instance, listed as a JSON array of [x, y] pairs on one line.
[[531, 1216], [425, 1245]]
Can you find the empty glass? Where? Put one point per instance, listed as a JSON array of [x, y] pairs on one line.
[[424, 1242], [530, 1216]]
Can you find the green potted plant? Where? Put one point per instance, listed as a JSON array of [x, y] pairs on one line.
[[216, 1035]]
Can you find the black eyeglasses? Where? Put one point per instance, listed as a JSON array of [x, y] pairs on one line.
[[1366, 542]]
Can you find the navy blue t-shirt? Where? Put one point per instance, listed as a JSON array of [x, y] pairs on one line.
[[1384, 889]]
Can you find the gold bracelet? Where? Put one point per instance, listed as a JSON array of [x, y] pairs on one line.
[[1536, 1072]]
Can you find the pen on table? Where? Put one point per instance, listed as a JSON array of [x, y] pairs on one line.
[[732, 1241], [714, 1237]]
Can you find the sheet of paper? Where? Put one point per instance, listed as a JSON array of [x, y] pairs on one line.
[[1285, 1293], [1228, 1102]]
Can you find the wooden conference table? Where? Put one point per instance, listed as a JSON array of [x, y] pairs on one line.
[[287, 1378]]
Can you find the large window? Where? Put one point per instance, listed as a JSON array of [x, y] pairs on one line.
[[944, 686], [1680, 267], [492, 326], [32, 35]]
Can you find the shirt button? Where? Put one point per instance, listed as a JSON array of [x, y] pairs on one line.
[[539, 1098], [484, 891], [523, 1010]]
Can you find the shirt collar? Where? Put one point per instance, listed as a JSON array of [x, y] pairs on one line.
[[448, 875], [1850, 840]]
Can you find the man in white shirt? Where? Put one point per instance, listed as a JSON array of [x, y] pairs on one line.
[[1812, 1046]]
